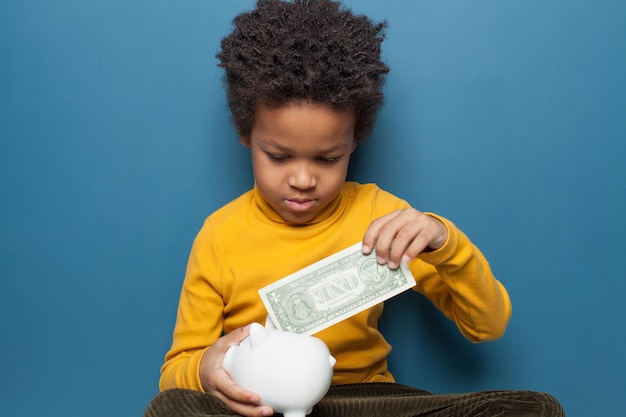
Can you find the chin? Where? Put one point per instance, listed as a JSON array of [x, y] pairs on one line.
[[299, 220]]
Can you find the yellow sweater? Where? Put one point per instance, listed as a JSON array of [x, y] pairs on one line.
[[245, 246]]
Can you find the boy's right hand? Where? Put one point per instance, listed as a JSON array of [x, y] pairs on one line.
[[217, 382]]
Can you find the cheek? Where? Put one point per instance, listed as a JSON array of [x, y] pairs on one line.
[[344, 168], [339, 176], [258, 164], [265, 173]]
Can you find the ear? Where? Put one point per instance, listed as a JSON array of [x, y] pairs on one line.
[[269, 323], [244, 141], [258, 335]]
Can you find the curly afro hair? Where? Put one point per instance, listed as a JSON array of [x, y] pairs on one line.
[[306, 50]]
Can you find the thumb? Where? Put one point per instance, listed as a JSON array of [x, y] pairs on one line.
[[238, 335]]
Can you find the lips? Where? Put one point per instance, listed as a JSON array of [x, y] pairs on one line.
[[299, 204]]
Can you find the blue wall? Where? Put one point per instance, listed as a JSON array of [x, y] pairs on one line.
[[508, 117]]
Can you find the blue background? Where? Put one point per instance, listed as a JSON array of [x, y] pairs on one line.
[[509, 117]]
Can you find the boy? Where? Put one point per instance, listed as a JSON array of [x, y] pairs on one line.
[[304, 83]]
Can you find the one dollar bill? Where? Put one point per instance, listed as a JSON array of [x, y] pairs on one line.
[[331, 290]]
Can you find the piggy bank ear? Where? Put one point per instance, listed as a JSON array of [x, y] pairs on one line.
[[269, 324], [258, 335]]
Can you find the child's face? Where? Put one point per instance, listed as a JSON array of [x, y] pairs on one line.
[[300, 154]]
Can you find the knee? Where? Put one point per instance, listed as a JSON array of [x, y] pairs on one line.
[[519, 404]]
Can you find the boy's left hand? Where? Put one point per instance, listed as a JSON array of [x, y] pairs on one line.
[[402, 235]]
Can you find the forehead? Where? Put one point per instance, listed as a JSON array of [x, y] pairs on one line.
[[303, 123]]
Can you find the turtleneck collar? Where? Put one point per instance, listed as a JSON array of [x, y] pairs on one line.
[[334, 210]]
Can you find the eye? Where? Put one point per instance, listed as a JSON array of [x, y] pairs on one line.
[[277, 157], [327, 160]]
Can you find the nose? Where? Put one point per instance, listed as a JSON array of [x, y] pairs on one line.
[[303, 177]]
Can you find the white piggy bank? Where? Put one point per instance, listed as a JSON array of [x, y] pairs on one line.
[[290, 372]]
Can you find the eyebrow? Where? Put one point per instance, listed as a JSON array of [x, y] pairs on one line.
[[281, 148]]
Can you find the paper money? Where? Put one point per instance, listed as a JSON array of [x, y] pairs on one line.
[[332, 290]]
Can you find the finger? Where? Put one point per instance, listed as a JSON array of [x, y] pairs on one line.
[[250, 411], [371, 234], [245, 406], [222, 344], [394, 237], [402, 235], [408, 251], [240, 400], [212, 373], [431, 234], [407, 240], [380, 235], [236, 336], [235, 393], [407, 230]]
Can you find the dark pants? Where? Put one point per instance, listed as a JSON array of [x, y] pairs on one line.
[[377, 400]]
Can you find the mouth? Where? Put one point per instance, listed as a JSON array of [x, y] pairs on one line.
[[299, 204]]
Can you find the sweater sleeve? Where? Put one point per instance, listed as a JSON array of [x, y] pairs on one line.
[[459, 282], [199, 320]]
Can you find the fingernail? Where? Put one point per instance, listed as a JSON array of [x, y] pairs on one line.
[[393, 265], [267, 412], [365, 249], [406, 258], [380, 260]]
